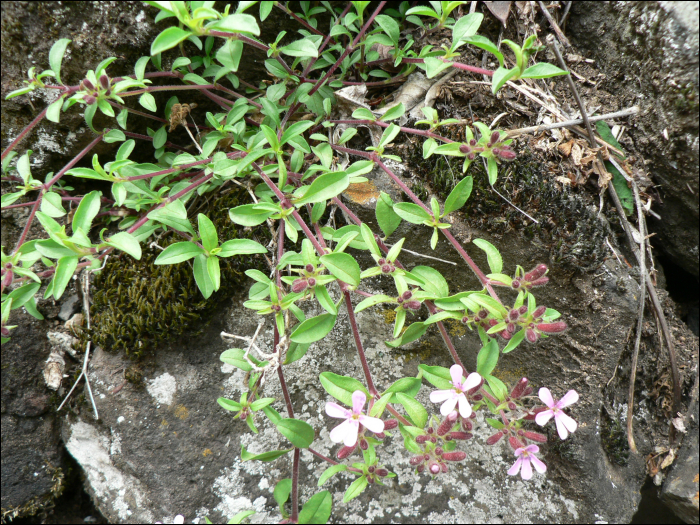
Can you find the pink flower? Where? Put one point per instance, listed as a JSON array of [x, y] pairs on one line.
[[450, 398], [565, 424], [347, 431], [526, 456]]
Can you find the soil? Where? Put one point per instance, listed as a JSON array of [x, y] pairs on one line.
[[461, 98]]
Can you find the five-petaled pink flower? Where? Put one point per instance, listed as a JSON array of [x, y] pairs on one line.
[[525, 457], [457, 394], [347, 431], [565, 424]]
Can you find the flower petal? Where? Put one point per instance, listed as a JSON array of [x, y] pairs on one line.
[[539, 465], [542, 417], [456, 374], [373, 424], [527, 469], [565, 425], [546, 397], [513, 471], [449, 405], [569, 399], [465, 409], [345, 432], [335, 410], [438, 396], [473, 380], [358, 401]]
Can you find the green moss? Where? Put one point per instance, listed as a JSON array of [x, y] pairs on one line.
[[40, 505], [138, 305], [614, 438]]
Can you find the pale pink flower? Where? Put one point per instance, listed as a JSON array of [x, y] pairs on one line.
[[565, 424], [526, 456], [347, 431], [450, 398]]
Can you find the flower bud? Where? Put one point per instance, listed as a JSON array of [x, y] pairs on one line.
[[515, 443], [7, 278], [370, 469], [519, 388], [434, 468], [531, 335], [443, 467], [276, 307], [514, 314], [492, 440], [512, 405], [381, 472], [461, 436], [539, 312], [540, 281], [364, 444], [471, 156], [505, 154], [495, 136], [457, 455], [477, 397], [309, 268], [466, 424], [420, 468], [386, 268], [299, 285], [381, 262], [312, 282], [528, 391], [413, 305], [104, 81], [380, 435], [472, 142], [438, 451], [416, 460], [86, 84], [370, 479], [515, 285], [390, 423], [399, 300], [464, 148], [505, 334], [430, 430], [422, 439], [483, 314], [537, 272], [407, 295], [445, 426], [510, 328], [535, 436], [89, 100], [522, 310], [465, 319], [552, 328], [345, 452]]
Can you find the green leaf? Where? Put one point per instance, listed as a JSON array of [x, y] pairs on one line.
[[240, 516], [407, 385], [341, 387], [438, 376], [20, 296], [343, 266], [214, 271], [387, 218], [229, 404], [465, 27], [52, 205], [435, 283], [330, 472], [355, 489], [543, 70], [265, 456], [514, 341], [487, 359], [240, 247], [485, 44], [64, 271], [229, 55], [501, 76], [492, 169], [53, 112], [416, 411], [459, 195], [56, 57], [301, 48], [178, 252], [411, 212], [325, 187], [168, 39], [87, 209], [314, 329], [389, 134], [148, 101], [127, 243], [236, 23], [434, 66], [174, 215], [207, 231], [201, 276], [299, 433], [248, 215], [317, 509], [374, 300], [296, 129], [492, 254], [390, 27], [283, 489], [235, 357], [363, 114], [413, 332]]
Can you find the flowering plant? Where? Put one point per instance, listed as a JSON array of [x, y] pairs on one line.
[[256, 139]]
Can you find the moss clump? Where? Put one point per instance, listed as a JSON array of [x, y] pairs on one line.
[[614, 438], [570, 233], [138, 305]]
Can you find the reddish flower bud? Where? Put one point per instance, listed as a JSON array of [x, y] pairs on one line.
[[514, 314], [539, 282], [515, 443], [531, 335], [407, 295], [312, 282], [381, 262], [519, 388], [510, 328], [413, 305], [390, 423], [420, 468], [381, 472], [466, 424], [539, 312], [309, 268], [430, 430], [506, 154], [472, 142], [505, 334], [422, 439], [552, 328], [276, 307], [7, 278], [299, 285], [464, 149], [535, 436], [89, 100], [461, 436], [457, 455], [492, 440], [515, 285], [86, 84], [483, 314], [445, 427], [345, 452], [495, 136], [434, 468], [104, 81], [370, 469], [471, 156], [537, 272], [438, 451], [465, 320], [386, 268], [380, 435], [364, 444], [512, 405], [433, 439], [416, 460], [528, 391], [522, 310], [443, 467]]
